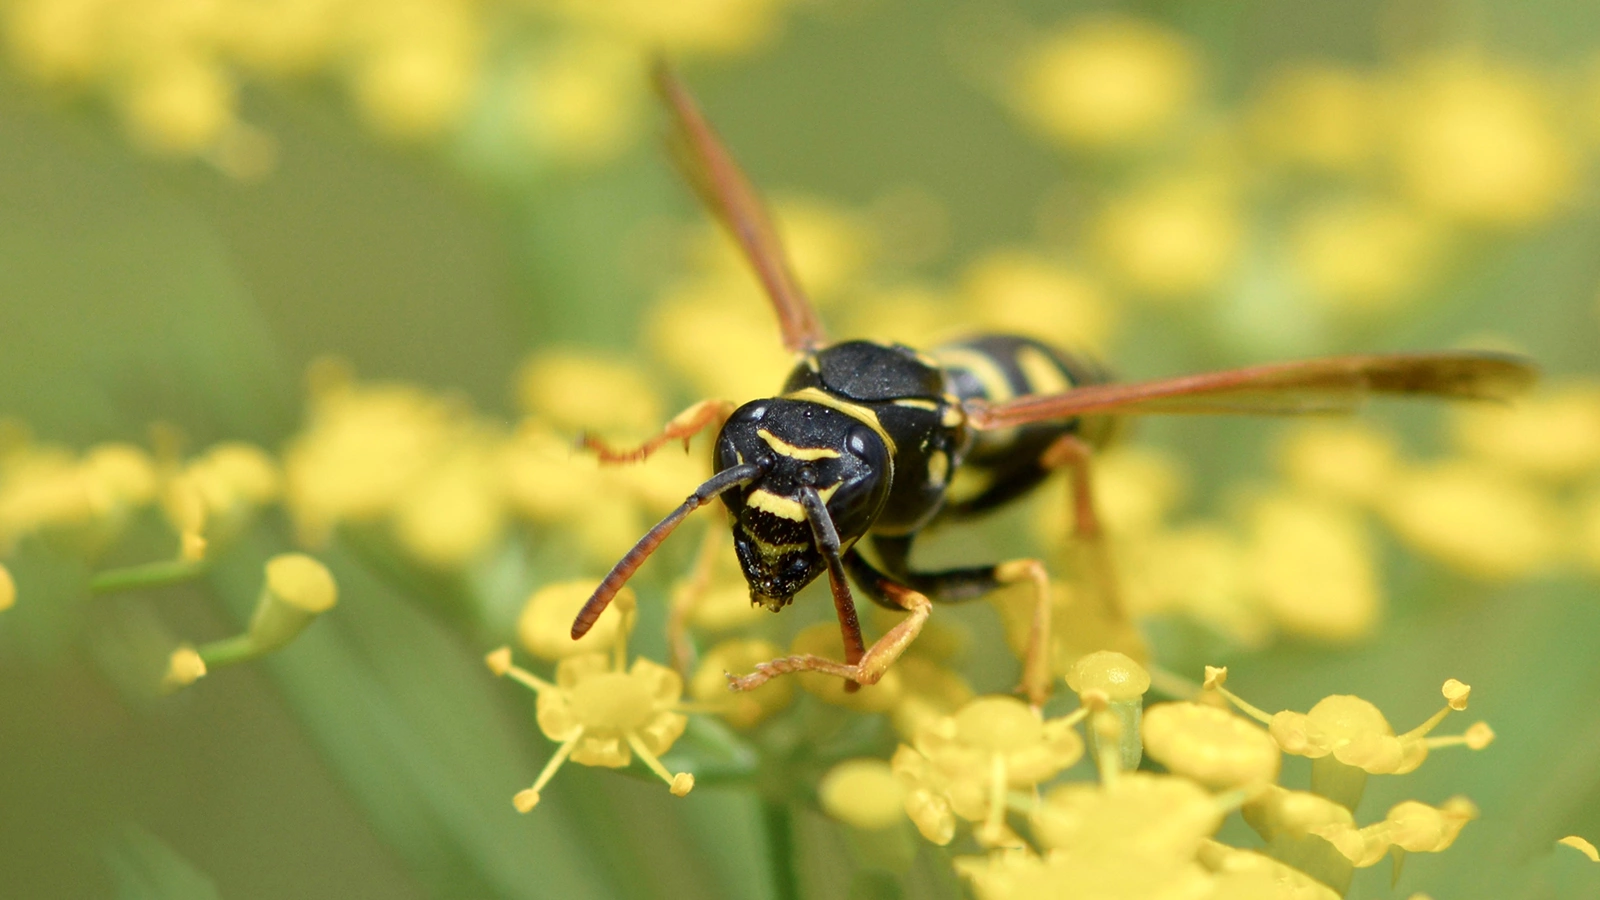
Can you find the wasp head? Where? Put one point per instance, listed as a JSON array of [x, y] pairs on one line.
[[798, 445]]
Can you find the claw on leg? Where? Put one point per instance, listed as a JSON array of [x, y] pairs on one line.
[[1037, 674]]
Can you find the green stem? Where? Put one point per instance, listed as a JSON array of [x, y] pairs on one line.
[[781, 849], [146, 575], [228, 651]]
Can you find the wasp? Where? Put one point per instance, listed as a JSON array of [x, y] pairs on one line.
[[863, 441]]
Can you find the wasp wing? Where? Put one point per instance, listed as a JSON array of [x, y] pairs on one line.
[[1315, 386], [726, 192]]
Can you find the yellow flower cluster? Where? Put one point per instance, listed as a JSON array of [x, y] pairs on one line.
[[1418, 153], [1137, 834], [572, 86]]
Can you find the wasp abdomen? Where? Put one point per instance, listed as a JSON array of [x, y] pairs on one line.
[[1004, 464]]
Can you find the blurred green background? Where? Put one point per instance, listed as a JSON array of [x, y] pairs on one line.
[[375, 757]]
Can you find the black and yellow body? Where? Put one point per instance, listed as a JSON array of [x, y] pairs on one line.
[[879, 441], [878, 431]]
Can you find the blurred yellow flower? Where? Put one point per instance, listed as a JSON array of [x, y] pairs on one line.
[[685, 26], [577, 390], [1365, 255], [8, 589], [1479, 142], [1475, 518], [181, 105], [1350, 461], [1554, 434], [1318, 115], [1021, 293], [545, 626], [583, 100], [1210, 745], [864, 793], [1171, 238], [1106, 83], [1311, 564], [744, 709]]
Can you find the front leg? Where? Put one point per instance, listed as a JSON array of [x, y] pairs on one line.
[[683, 426], [876, 659]]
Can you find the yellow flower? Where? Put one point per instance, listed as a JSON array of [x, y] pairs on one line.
[[691, 25], [1479, 142], [57, 40], [545, 626], [1319, 116], [181, 106], [603, 712], [1106, 83], [1171, 238], [744, 709], [1311, 563], [718, 333], [1475, 518], [1582, 846], [1210, 745], [1553, 434], [823, 640], [296, 590], [1410, 825], [575, 390], [453, 512], [233, 479], [362, 448], [1347, 461], [1020, 293], [1135, 488], [8, 589], [864, 793], [931, 692], [1365, 255], [1354, 732], [416, 65], [964, 765], [582, 102], [1247, 875], [1588, 531], [1195, 570]]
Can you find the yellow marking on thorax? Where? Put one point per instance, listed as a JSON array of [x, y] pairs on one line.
[[856, 411], [783, 447], [1044, 376], [917, 403], [995, 384], [968, 483], [938, 467]]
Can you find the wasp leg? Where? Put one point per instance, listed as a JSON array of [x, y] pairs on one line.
[[683, 426], [956, 585], [877, 659], [687, 594], [1074, 454]]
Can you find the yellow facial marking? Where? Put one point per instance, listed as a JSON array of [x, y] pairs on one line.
[[854, 410], [1044, 376], [784, 448], [915, 403], [995, 384], [782, 507], [953, 416], [938, 467]]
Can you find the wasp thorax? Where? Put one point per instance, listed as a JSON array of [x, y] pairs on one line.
[[799, 446]]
